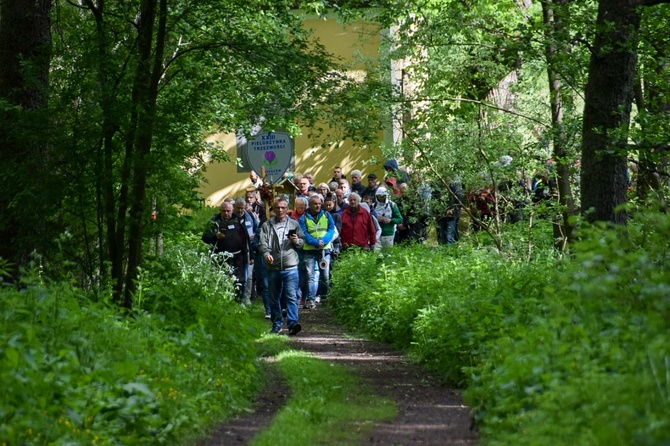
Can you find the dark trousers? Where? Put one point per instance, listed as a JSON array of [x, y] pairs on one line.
[[448, 231]]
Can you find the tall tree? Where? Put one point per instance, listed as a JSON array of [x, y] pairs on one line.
[[652, 99], [608, 100], [556, 27], [479, 73], [152, 79], [25, 48]]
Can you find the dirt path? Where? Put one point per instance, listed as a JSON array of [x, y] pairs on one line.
[[429, 413]]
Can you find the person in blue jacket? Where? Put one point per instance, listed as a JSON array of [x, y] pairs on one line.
[[319, 228]]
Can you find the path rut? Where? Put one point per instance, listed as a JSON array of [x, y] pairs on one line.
[[429, 413]]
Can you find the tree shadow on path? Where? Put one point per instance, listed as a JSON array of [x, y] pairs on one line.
[[428, 412]]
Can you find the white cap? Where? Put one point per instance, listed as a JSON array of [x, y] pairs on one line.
[[505, 160], [381, 190]]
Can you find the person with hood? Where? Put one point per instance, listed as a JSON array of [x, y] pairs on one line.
[[280, 241], [393, 171], [378, 228], [388, 216], [319, 228]]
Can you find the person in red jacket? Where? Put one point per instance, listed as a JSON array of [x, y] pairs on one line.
[[358, 229]]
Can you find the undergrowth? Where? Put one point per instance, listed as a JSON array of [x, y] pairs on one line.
[[74, 371], [559, 350]]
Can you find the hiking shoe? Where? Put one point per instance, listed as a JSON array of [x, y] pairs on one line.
[[305, 304], [275, 330], [317, 299], [294, 330], [268, 316], [311, 304]]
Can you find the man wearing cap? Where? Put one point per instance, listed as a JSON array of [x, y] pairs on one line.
[[392, 185], [371, 190], [388, 216], [319, 229]]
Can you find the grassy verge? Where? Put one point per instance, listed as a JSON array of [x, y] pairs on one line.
[[326, 401]]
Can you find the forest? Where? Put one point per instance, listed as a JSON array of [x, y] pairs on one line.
[[551, 314]]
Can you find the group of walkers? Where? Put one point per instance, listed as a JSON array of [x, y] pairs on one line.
[[285, 256]]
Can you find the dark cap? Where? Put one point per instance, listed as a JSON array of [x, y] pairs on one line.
[[373, 176]]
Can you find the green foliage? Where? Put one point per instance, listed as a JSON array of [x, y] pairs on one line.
[[567, 350], [76, 372], [594, 359], [224, 67], [443, 303], [185, 287]]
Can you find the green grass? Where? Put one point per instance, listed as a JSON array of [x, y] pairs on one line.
[[327, 405]]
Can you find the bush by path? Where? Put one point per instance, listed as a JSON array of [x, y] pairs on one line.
[[76, 372], [554, 351]]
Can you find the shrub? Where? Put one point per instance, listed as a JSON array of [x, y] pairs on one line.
[[77, 372], [592, 365]]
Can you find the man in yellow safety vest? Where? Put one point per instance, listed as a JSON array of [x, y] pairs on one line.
[[319, 229]]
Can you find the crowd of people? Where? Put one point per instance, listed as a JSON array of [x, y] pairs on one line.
[[284, 254]]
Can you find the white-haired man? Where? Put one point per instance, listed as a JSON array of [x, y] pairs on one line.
[[356, 184], [358, 229]]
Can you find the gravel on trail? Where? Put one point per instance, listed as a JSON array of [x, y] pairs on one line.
[[429, 413]]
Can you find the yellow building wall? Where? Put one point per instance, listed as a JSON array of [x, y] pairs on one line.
[[344, 41]]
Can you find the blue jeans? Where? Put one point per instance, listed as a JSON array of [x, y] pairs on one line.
[[303, 284], [283, 285], [317, 280], [448, 231], [248, 277], [261, 278]]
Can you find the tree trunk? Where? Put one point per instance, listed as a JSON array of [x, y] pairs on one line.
[[608, 100], [554, 24], [147, 81], [25, 50], [124, 211]]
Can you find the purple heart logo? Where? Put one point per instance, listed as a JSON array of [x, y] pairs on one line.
[[270, 158]]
